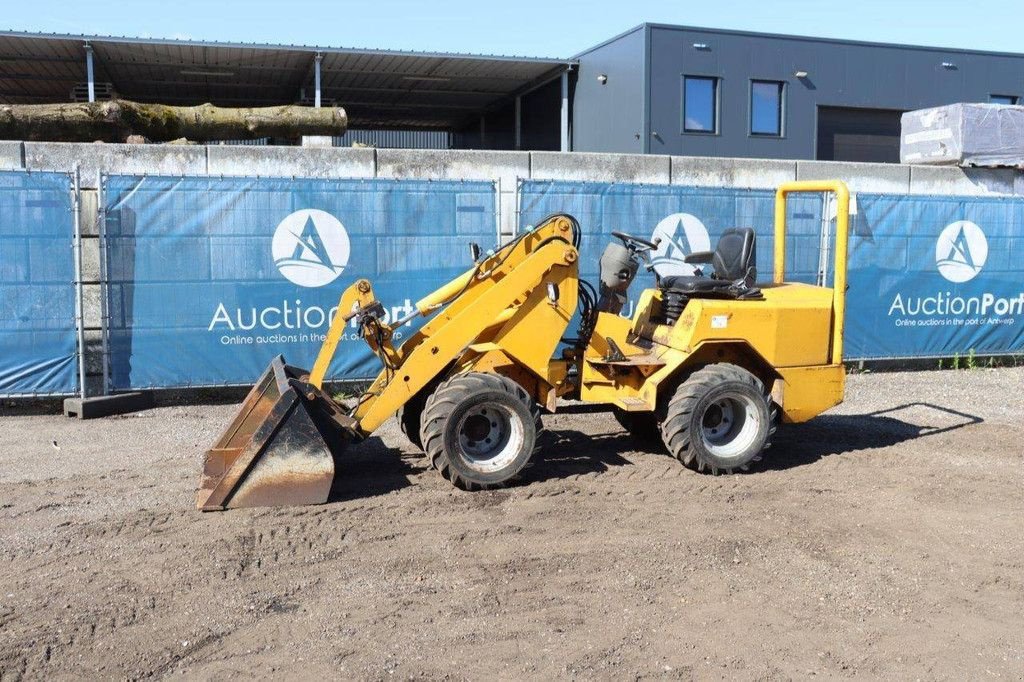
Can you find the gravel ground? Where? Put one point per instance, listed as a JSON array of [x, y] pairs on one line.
[[882, 539]]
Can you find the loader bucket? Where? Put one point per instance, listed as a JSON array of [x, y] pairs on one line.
[[278, 449]]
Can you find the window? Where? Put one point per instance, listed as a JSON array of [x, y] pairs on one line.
[[700, 104], [766, 108], [1002, 99]]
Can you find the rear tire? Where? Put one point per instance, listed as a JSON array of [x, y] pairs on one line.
[[719, 420], [479, 430], [409, 416]]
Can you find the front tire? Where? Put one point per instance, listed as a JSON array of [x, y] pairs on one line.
[[479, 430], [719, 420]]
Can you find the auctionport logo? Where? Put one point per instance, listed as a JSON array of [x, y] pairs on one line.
[[310, 248], [680, 234], [961, 251]]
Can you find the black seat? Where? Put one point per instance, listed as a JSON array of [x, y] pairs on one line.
[[735, 264]]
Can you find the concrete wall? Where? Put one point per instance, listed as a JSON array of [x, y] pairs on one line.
[[504, 168]]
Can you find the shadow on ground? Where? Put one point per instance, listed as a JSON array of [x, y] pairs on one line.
[[568, 453], [801, 444], [370, 468], [572, 453]]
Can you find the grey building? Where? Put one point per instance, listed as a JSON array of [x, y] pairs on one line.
[[655, 89], [702, 92]]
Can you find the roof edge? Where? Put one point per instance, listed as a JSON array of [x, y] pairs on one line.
[[275, 46], [611, 40], [834, 41]]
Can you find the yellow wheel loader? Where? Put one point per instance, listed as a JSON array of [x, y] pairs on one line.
[[709, 364]]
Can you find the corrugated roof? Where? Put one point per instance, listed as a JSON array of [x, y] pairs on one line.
[[378, 88]]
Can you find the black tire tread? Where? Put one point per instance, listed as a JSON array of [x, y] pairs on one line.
[[410, 414], [409, 421], [675, 426], [445, 398]]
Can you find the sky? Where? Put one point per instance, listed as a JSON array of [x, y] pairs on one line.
[[539, 28]]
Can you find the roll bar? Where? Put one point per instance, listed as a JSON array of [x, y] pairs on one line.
[[842, 194]]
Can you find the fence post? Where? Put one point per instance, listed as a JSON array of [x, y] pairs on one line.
[[101, 220], [76, 207]]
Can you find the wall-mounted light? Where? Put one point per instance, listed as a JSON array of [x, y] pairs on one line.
[[701, 46], [602, 79], [949, 65], [801, 74]]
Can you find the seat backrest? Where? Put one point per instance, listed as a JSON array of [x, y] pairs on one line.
[[735, 256]]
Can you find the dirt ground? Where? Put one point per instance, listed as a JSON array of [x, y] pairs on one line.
[[883, 539]]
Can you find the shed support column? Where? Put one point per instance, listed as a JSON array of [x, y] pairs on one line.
[[316, 78], [565, 112], [519, 122], [89, 76]]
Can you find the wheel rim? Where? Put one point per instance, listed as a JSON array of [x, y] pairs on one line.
[[490, 437], [729, 425]]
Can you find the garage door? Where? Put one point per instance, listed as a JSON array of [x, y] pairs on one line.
[[853, 134]]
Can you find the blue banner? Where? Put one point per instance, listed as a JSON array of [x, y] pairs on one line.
[[38, 346], [212, 277], [936, 276], [928, 276]]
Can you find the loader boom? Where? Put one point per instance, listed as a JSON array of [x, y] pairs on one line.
[[485, 304]]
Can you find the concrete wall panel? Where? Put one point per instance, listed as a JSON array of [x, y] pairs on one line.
[[638, 168], [505, 167], [307, 162], [88, 206], [128, 159], [969, 181], [11, 155], [861, 177], [748, 173], [90, 259]]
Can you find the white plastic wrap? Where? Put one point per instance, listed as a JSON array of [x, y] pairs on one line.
[[964, 135]]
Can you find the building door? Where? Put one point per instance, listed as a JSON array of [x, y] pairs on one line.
[[854, 134]]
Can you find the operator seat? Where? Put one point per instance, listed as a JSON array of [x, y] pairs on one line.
[[734, 260]]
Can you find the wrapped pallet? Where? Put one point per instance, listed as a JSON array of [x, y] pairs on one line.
[[964, 134]]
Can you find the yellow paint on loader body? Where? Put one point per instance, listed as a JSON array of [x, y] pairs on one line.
[[508, 315], [791, 338]]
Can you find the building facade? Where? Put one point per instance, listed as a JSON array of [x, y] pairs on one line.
[[655, 89], [700, 92]]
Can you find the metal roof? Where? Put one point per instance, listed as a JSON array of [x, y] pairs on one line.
[[378, 88]]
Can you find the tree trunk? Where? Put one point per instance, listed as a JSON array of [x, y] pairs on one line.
[[115, 120]]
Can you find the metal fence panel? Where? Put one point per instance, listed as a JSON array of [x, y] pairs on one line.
[[38, 349], [396, 139], [928, 276], [211, 277]]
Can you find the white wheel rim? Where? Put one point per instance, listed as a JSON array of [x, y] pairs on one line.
[[490, 437], [729, 425]]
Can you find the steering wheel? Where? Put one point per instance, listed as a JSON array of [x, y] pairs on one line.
[[628, 239]]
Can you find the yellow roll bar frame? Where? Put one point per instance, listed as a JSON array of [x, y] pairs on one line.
[[842, 193]]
